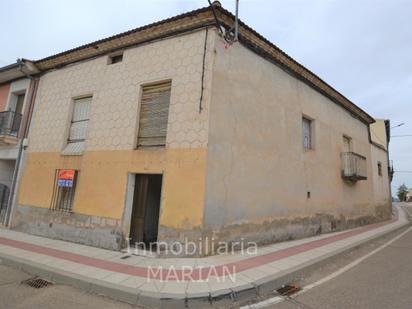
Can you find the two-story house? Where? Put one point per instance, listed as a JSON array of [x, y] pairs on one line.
[[177, 130], [15, 82]]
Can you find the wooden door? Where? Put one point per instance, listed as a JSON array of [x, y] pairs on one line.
[[139, 205]]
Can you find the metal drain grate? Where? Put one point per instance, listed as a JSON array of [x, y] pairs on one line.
[[288, 289], [36, 282]]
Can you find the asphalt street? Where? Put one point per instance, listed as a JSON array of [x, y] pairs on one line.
[[384, 280], [15, 295]]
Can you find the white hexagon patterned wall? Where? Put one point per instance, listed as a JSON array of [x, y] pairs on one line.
[[116, 89]]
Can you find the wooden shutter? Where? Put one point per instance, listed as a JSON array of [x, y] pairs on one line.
[[154, 113]]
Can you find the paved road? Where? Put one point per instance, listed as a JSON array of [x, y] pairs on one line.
[[384, 280], [14, 295]]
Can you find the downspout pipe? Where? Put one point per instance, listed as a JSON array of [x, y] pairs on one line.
[[7, 217]]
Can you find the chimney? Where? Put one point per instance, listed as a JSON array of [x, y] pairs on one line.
[[217, 3]]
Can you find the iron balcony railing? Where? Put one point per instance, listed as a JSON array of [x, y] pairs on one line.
[[353, 166], [9, 123]]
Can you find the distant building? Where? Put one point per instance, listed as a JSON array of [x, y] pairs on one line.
[[381, 164], [409, 195], [172, 131]]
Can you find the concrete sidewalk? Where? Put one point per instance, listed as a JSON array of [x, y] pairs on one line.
[[165, 282]]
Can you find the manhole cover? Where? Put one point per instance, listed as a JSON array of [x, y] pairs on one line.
[[288, 289], [36, 282]]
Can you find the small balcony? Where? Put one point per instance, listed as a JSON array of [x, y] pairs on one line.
[[9, 127], [353, 166]]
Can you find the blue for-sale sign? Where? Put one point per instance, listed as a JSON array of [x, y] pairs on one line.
[[65, 183]]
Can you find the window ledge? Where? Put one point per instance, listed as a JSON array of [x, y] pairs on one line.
[[74, 149]]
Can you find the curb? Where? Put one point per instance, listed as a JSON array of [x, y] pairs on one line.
[[241, 294], [271, 283]]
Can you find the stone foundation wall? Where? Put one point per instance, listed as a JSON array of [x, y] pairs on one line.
[[88, 230], [277, 230], [107, 233]]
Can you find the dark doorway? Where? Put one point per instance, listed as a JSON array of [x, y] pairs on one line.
[[4, 198], [146, 207]]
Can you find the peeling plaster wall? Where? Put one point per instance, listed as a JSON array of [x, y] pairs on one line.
[[258, 173], [94, 231]]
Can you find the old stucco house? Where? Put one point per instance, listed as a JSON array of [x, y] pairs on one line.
[[173, 131]]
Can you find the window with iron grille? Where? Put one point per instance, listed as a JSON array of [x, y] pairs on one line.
[[78, 127], [64, 191], [306, 133], [154, 113]]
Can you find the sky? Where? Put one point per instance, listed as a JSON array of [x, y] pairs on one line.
[[363, 48]]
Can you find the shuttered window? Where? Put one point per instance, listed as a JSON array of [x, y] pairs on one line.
[[78, 127], [307, 133], [154, 113]]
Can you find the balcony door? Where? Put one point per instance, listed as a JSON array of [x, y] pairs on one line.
[[18, 109], [347, 144], [14, 113]]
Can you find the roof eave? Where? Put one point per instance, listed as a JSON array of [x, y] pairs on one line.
[[338, 98], [21, 69], [197, 19]]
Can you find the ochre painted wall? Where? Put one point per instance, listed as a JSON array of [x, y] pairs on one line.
[[101, 187]]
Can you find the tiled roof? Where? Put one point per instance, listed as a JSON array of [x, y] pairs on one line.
[[197, 19]]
